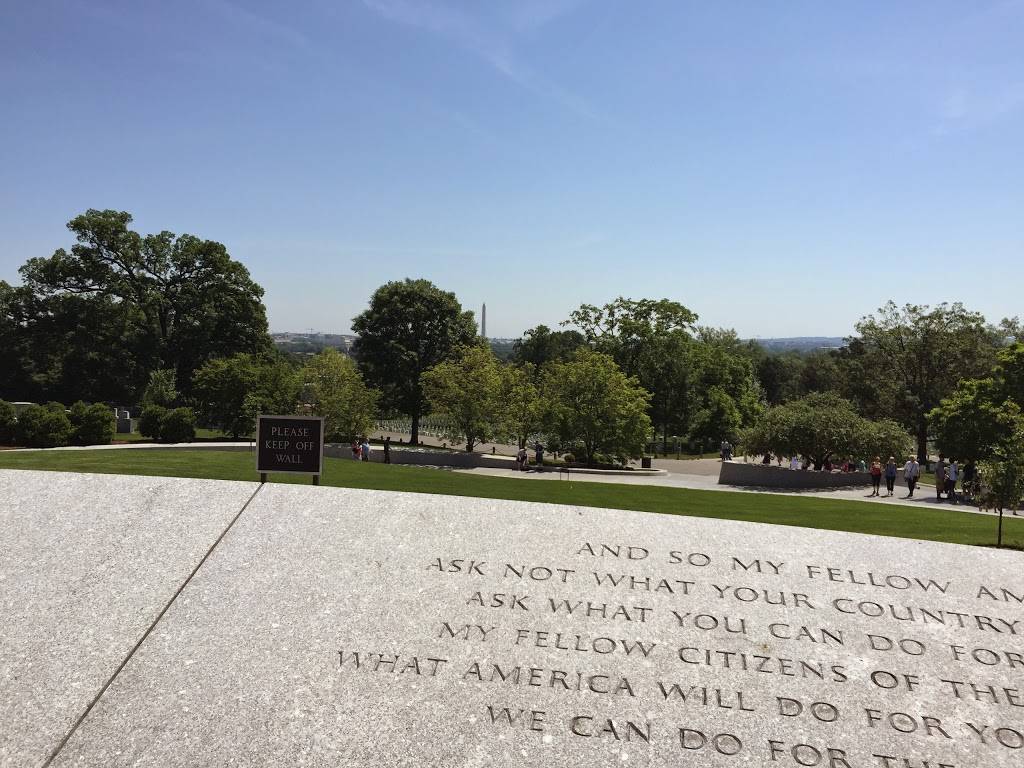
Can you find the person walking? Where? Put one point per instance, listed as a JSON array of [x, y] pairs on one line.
[[876, 475], [890, 474], [968, 484], [355, 449], [364, 449], [911, 474], [940, 477], [521, 459], [952, 475]]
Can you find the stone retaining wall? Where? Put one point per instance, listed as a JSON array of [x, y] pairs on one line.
[[764, 476], [426, 458]]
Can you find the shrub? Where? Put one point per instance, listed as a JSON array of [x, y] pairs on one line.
[[178, 426], [568, 458], [161, 388], [93, 426], [8, 423], [77, 414], [150, 421], [43, 427]]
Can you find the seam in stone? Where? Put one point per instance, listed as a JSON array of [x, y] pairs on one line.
[[146, 634]]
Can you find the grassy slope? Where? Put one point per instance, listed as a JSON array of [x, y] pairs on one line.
[[859, 517]]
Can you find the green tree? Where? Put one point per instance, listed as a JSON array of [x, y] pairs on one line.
[[1002, 479], [541, 345], [8, 423], [883, 438], [980, 415], [917, 355], [409, 327], [468, 391], [525, 403], [717, 419], [651, 340], [336, 391], [231, 391], [721, 367], [161, 389], [16, 369], [821, 373], [780, 376], [177, 301], [819, 426], [71, 347], [594, 406]]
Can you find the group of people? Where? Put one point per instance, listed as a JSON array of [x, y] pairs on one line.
[[523, 457], [361, 449], [947, 475], [911, 474]]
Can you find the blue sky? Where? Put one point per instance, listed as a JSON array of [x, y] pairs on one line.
[[779, 167]]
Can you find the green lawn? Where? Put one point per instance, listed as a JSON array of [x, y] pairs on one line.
[[859, 517]]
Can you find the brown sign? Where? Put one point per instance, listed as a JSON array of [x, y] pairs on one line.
[[290, 444]]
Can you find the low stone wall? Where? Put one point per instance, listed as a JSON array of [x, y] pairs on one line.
[[764, 476], [428, 458]]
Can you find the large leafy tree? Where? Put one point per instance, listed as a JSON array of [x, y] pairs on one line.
[[336, 391], [15, 347], [467, 391], [981, 415], [650, 339], [1002, 478], [409, 327], [595, 407], [780, 376], [716, 419], [724, 393], [915, 355], [168, 301], [231, 391], [524, 401], [542, 345], [822, 425]]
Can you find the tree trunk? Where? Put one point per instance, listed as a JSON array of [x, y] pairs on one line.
[[922, 443], [414, 438], [999, 536], [469, 445]]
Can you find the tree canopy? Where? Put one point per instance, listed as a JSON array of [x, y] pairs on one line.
[[594, 408], [409, 327], [468, 391], [335, 390], [980, 415], [542, 345], [914, 356], [822, 425], [96, 320], [230, 392]]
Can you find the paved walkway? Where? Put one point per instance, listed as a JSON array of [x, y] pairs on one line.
[[923, 499]]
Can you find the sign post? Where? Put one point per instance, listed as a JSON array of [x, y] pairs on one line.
[[292, 444]]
